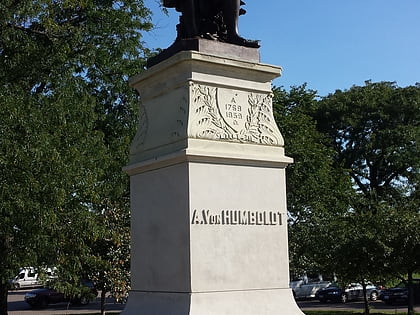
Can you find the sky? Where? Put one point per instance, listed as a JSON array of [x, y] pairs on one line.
[[328, 44]]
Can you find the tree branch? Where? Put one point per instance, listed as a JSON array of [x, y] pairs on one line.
[[359, 182], [29, 30]]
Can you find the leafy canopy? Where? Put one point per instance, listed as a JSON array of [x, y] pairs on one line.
[[67, 119]]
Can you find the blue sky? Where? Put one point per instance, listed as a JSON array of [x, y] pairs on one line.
[[329, 44]]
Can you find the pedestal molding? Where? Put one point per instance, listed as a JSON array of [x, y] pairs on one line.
[[274, 158]]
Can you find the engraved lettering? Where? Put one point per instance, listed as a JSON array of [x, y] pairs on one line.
[[244, 218], [259, 218], [206, 216], [237, 217], [234, 112], [252, 218], [225, 217], [195, 219], [234, 217]]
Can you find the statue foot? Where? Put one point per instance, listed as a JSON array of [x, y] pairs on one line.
[[238, 40]]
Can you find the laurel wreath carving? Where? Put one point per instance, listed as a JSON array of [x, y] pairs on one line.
[[210, 120], [259, 126]]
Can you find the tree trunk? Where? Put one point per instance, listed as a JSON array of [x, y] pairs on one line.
[[365, 298], [5, 247], [103, 293], [410, 310], [3, 297]]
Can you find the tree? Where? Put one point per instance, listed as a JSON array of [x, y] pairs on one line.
[[355, 252], [315, 189], [356, 172], [67, 113], [48, 168], [109, 267], [403, 237], [375, 131]]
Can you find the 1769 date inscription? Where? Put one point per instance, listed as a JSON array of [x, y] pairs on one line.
[[237, 217]]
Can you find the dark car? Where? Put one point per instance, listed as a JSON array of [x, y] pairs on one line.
[[352, 292], [41, 298], [399, 294]]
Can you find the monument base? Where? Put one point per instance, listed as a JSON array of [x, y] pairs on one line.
[[208, 188], [252, 302]]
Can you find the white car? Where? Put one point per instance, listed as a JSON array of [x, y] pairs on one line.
[[307, 289], [28, 278]]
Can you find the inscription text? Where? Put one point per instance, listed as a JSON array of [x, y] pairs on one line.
[[237, 217]]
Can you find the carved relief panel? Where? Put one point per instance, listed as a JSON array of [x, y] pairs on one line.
[[232, 115], [205, 112]]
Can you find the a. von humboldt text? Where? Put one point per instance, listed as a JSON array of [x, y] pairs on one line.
[[237, 217]]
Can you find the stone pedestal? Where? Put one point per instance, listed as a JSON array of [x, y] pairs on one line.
[[207, 170]]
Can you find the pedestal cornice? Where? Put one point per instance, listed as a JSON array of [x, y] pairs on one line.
[[204, 68], [216, 152]]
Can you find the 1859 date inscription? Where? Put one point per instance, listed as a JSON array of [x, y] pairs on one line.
[[237, 217]]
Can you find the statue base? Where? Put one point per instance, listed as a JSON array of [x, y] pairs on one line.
[[208, 192], [255, 302], [207, 46]]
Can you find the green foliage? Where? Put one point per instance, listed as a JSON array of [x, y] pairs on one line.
[[403, 236], [315, 189], [67, 119], [353, 196], [375, 131], [355, 251]]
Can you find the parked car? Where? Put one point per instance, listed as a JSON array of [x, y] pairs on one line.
[[399, 294], [41, 298], [352, 292], [307, 289], [28, 278]]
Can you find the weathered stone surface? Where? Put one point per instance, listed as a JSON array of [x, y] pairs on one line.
[[208, 197], [193, 98]]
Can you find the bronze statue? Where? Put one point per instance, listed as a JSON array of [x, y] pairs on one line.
[[211, 19]]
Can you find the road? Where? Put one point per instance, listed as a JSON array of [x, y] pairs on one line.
[[315, 305], [17, 306]]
